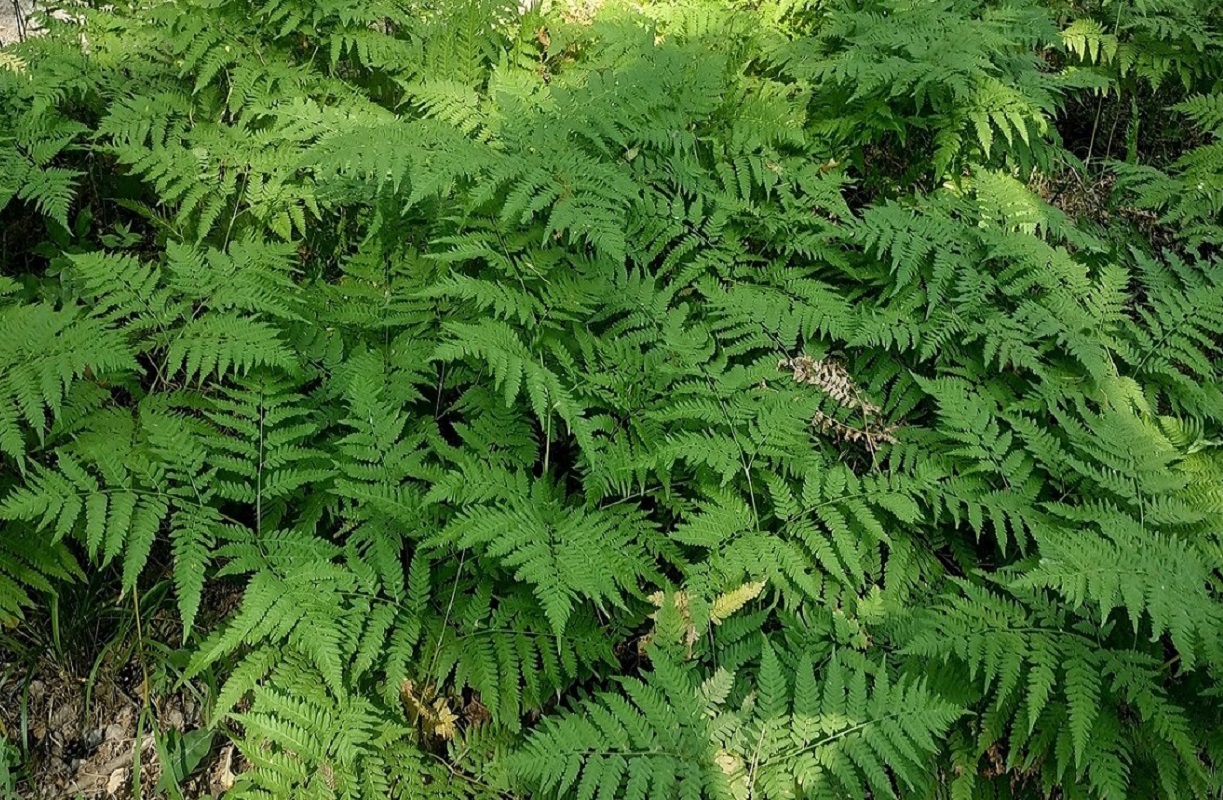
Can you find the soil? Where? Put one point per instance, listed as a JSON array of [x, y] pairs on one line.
[[14, 15], [89, 720], [89, 739], [80, 750]]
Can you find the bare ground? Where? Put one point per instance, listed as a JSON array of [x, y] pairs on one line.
[[94, 702], [90, 750], [13, 15]]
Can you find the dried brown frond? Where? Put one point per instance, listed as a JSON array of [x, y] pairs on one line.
[[870, 435], [431, 712], [831, 378]]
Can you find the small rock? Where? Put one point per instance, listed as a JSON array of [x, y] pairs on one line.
[[222, 779], [116, 782]]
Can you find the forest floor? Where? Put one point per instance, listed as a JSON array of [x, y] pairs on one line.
[[95, 702], [90, 746], [13, 15]]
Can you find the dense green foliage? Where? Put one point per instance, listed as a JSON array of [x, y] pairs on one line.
[[703, 399]]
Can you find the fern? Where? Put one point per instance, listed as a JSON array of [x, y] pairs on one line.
[[605, 400], [672, 735], [565, 556], [46, 352]]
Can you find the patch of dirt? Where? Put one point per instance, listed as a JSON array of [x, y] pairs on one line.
[[14, 20], [1095, 202], [94, 722], [90, 740]]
